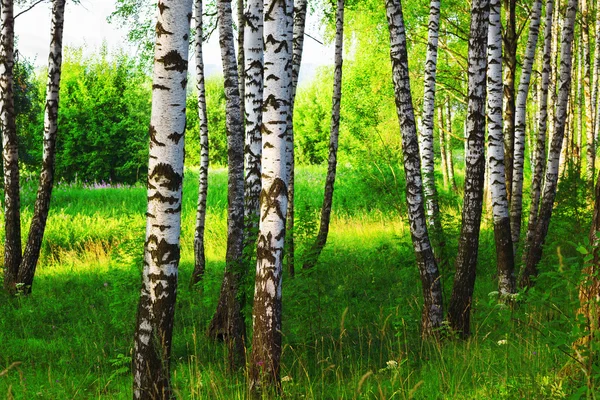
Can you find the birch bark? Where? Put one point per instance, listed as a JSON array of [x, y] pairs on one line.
[[534, 254], [321, 239], [432, 207], [44, 193], [264, 368], [154, 327], [199, 256], [459, 312], [228, 321], [504, 246], [10, 149], [432, 314], [516, 204]]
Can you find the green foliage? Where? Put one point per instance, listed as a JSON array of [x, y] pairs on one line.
[[103, 119]]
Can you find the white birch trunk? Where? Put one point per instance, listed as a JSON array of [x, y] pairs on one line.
[[199, 256], [10, 149], [154, 328], [44, 193], [516, 206], [534, 254], [264, 368], [504, 247], [459, 311], [432, 207], [432, 314]]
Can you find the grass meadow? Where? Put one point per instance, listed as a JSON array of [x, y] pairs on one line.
[[350, 325]]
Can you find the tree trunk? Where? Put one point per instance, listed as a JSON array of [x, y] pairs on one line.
[[228, 321], [596, 76], [589, 118], [442, 138], [264, 373], [42, 201], [579, 105], [154, 327], [449, 149], [459, 311], [315, 251], [534, 254], [510, 60], [10, 150], [432, 315], [241, 57], [432, 207], [299, 23], [199, 256], [504, 246], [253, 99], [540, 148], [516, 205]]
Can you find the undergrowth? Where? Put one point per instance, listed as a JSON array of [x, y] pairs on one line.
[[350, 325]]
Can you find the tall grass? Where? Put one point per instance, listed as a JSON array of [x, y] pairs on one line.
[[350, 325]]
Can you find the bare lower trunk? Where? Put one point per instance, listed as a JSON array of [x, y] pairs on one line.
[[504, 246], [315, 251], [199, 256], [459, 311], [228, 322], [299, 23], [10, 150], [432, 315], [534, 254], [540, 148], [154, 327], [264, 365], [516, 204], [42, 201]]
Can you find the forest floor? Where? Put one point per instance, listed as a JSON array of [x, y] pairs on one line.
[[350, 325]]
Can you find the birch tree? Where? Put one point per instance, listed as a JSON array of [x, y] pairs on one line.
[[321, 239], [459, 311], [228, 322], [199, 256], [432, 314], [534, 253], [253, 97], [42, 202], [449, 160], [504, 246], [516, 204], [264, 372], [432, 206], [540, 147], [154, 327], [511, 39], [10, 149], [587, 89], [299, 23]]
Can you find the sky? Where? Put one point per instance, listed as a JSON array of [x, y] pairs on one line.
[[86, 25]]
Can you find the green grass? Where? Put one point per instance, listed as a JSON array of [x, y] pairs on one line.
[[350, 325]]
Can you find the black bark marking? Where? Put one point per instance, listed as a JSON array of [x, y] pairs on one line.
[[162, 7], [166, 177], [271, 198], [173, 61], [160, 87], [176, 137], [161, 251], [160, 30], [153, 140]]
